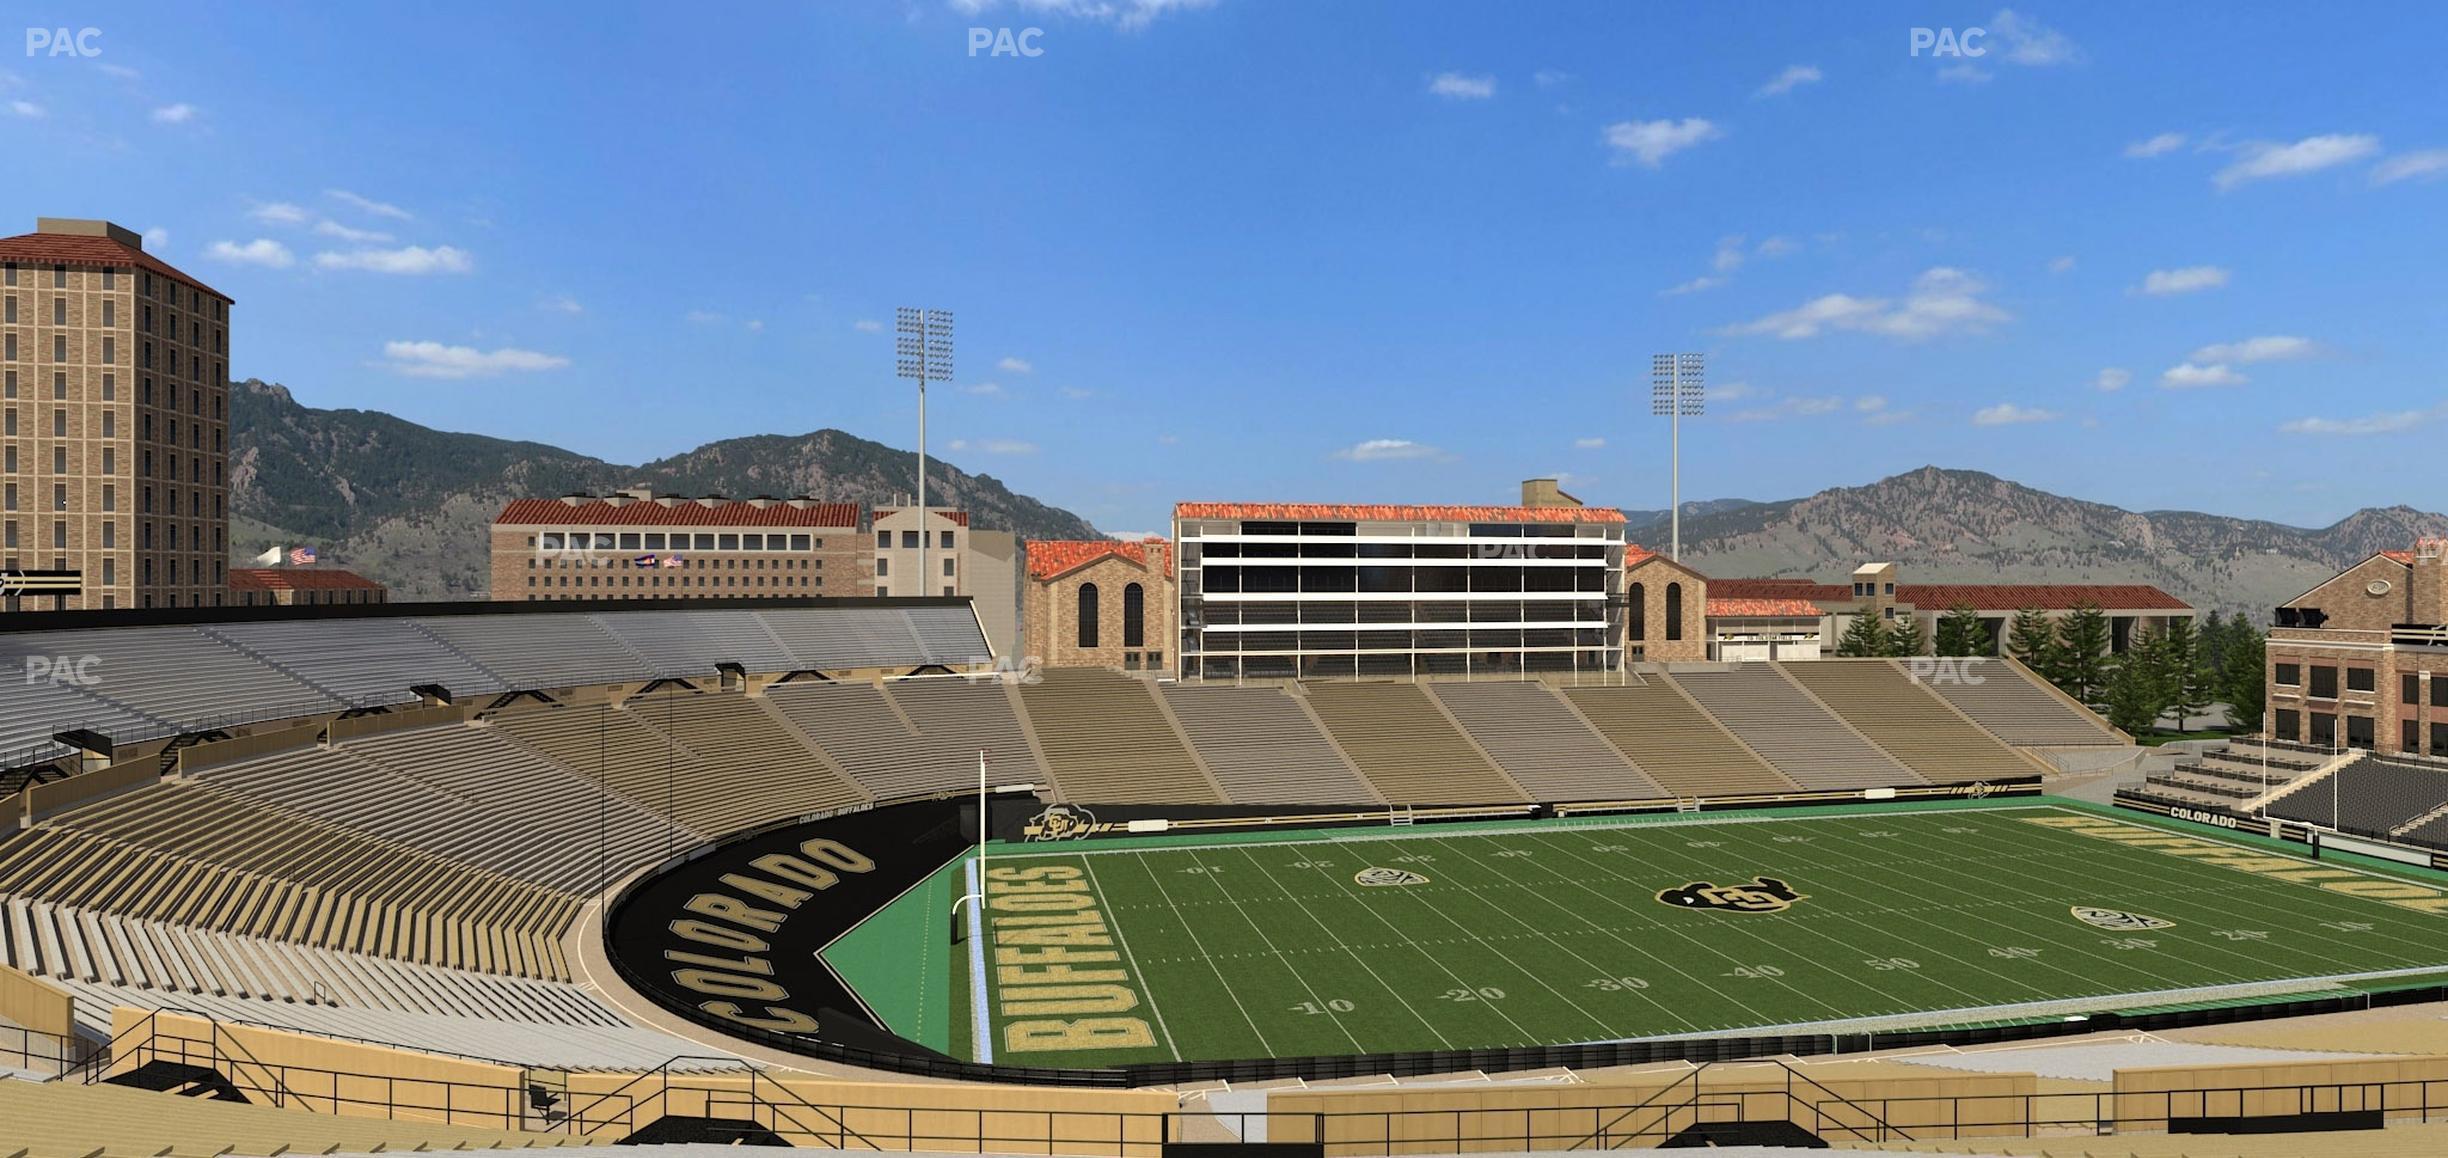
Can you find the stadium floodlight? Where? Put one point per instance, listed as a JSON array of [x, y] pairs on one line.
[[1676, 388], [922, 347]]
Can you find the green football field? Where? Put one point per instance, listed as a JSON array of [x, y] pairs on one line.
[[1544, 934]]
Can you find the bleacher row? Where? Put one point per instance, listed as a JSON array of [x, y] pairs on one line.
[[138, 683]]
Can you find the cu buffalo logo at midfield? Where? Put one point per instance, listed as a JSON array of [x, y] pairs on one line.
[[1061, 822], [2118, 920], [1382, 877], [1762, 895]]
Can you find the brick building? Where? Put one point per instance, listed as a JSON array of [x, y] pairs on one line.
[[1099, 603], [960, 560], [640, 545], [114, 420], [2361, 661], [302, 586]]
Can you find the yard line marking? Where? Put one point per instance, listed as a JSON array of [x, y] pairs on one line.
[[1097, 890], [1288, 967], [1439, 962], [1348, 951], [1201, 946]]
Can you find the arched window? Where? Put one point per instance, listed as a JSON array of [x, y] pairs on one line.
[[1134, 616], [1640, 611], [1087, 615], [1674, 611]]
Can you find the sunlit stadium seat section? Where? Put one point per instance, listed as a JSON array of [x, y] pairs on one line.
[[1542, 743], [964, 717], [760, 767], [173, 674], [1773, 717], [541, 651], [1407, 748], [1901, 716], [38, 706], [829, 638], [1676, 743], [857, 727], [578, 829], [2009, 701], [358, 661], [606, 744], [686, 643], [1107, 742], [1263, 748]]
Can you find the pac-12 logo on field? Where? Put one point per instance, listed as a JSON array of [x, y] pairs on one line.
[[1762, 895], [1381, 877], [2118, 920]]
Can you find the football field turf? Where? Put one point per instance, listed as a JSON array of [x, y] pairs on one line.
[[1387, 939]]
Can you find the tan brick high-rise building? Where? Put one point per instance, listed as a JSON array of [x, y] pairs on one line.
[[114, 420]]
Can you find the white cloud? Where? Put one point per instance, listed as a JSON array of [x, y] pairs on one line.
[[1794, 77], [2028, 42], [1650, 142], [756, 325], [2113, 379], [1012, 365], [1549, 77], [2157, 146], [1963, 74], [156, 239], [993, 445], [177, 114], [2406, 166], [279, 213], [1386, 450], [1870, 403], [27, 109], [1128, 15], [412, 259], [1730, 391], [985, 390], [1788, 407], [1942, 300], [1693, 286], [2273, 348], [2009, 414], [2263, 160], [1588, 443], [2061, 264], [2188, 375], [119, 71], [369, 205], [1777, 246], [2384, 423], [435, 360], [2190, 279], [262, 251], [1729, 255], [562, 304], [868, 326], [353, 236], [1462, 87]]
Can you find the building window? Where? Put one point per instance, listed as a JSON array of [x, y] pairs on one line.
[[2409, 689], [1640, 611], [1674, 611], [947, 568], [1087, 615], [883, 568], [2359, 679], [2290, 724], [883, 540], [2289, 675], [1134, 616], [947, 540], [909, 539]]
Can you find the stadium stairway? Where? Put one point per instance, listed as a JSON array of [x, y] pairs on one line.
[[1108, 741], [1264, 746], [605, 744], [1542, 743], [1661, 729], [72, 1120], [856, 725], [1904, 718], [1410, 750], [759, 767], [1791, 729], [965, 717]]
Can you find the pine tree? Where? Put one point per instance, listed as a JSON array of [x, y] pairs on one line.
[[2214, 639], [1960, 632], [2184, 683], [1865, 636], [1908, 638], [2082, 653], [2131, 695], [2242, 676], [2030, 637]]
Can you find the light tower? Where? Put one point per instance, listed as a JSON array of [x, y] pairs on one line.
[[1676, 389], [924, 348]]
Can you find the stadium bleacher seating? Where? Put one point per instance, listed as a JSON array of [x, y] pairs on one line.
[[2010, 702], [36, 708], [2371, 795], [832, 637], [1407, 748], [174, 674], [1540, 741], [603, 743], [1107, 741], [536, 651], [1263, 748], [1790, 730], [947, 635], [358, 661], [964, 717], [691, 643], [1901, 716], [761, 767], [856, 724], [1662, 731]]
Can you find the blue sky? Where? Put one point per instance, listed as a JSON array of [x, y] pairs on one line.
[[2168, 255]]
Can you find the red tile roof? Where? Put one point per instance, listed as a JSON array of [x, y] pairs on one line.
[[299, 579], [2046, 596], [1759, 608], [1050, 558], [1778, 589], [684, 513], [957, 518], [89, 253], [1396, 513], [2405, 557]]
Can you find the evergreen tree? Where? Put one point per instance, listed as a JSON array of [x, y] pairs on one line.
[[2184, 683], [1960, 632], [2132, 693], [2243, 673], [1908, 638], [2214, 639], [2031, 638], [2082, 653], [1864, 636]]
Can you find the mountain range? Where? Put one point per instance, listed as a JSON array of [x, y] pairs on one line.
[[408, 505]]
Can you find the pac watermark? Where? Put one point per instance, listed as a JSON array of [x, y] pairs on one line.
[[1946, 670], [86, 42], [63, 670], [1012, 42], [1005, 669], [1949, 42]]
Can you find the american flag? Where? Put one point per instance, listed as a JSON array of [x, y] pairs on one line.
[[301, 556], [673, 561]]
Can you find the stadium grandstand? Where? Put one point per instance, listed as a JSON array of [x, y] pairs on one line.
[[375, 869]]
